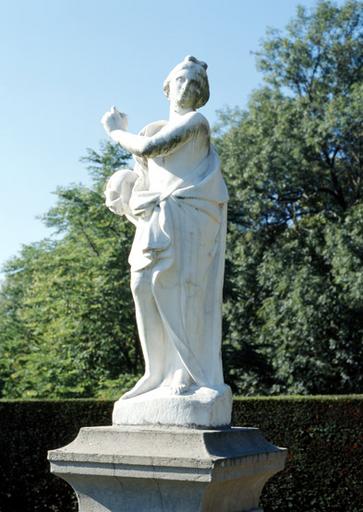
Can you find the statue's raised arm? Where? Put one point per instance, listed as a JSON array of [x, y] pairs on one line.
[[177, 198], [187, 88]]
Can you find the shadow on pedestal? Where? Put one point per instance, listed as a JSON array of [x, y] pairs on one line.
[[168, 469]]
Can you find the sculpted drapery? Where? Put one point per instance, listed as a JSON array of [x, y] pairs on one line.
[[177, 199]]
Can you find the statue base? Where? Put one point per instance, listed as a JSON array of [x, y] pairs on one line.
[[198, 407], [167, 469]]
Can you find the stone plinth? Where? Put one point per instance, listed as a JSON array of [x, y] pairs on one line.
[[198, 407], [171, 469]]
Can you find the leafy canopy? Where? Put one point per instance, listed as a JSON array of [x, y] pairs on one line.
[[293, 314], [293, 162]]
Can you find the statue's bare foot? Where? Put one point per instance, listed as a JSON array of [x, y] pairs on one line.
[[179, 389], [145, 384], [181, 382]]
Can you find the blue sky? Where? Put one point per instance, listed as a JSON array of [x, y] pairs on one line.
[[65, 62]]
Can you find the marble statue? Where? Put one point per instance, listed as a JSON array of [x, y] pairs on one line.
[[177, 199]]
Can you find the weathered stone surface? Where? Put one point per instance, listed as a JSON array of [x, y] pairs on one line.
[[202, 407], [167, 469], [149, 461], [177, 199]]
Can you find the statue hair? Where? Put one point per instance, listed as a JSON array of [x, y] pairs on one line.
[[201, 78]]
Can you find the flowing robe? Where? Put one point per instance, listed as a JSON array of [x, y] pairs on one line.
[[178, 250]]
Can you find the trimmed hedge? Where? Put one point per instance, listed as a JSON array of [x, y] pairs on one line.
[[323, 434], [28, 429]]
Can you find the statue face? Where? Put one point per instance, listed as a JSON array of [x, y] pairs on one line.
[[183, 88]]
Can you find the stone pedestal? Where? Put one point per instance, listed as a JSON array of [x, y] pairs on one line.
[[167, 469], [197, 407]]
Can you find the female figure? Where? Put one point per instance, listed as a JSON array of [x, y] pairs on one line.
[[177, 199]]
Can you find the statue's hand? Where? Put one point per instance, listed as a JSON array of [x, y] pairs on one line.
[[114, 120]]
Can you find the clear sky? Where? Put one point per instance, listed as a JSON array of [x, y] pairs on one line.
[[65, 62]]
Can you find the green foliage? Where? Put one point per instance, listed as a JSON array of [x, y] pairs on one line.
[[293, 163], [323, 437], [28, 430], [294, 271], [322, 434], [111, 389], [66, 313]]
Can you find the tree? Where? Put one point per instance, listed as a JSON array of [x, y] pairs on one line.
[[294, 269], [293, 161], [66, 314]]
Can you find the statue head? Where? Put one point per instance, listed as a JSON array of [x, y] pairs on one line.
[[187, 83]]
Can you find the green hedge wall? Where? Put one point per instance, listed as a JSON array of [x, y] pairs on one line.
[[28, 429], [323, 434]]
